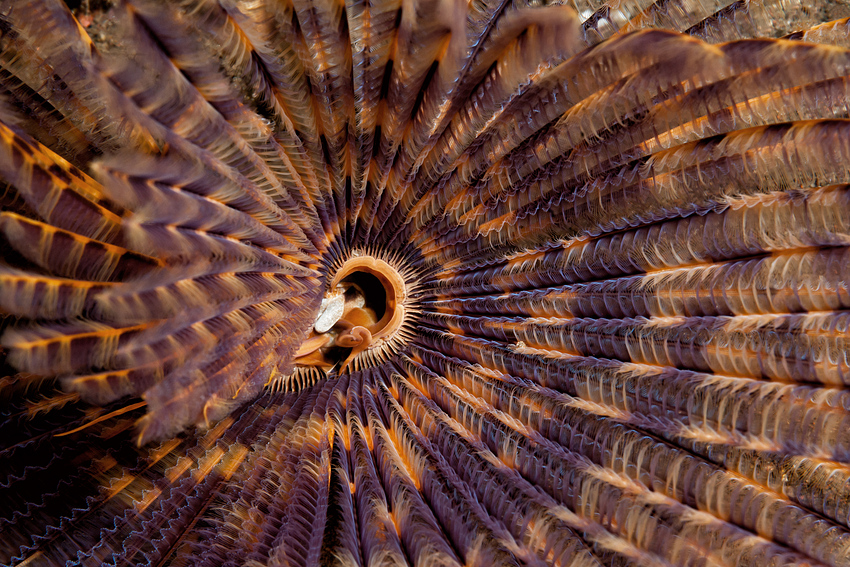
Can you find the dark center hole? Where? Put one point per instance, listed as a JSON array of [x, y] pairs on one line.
[[374, 293]]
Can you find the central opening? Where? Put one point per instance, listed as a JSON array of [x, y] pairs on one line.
[[367, 292], [361, 311], [380, 289]]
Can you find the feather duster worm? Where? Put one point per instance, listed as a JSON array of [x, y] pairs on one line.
[[424, 282]]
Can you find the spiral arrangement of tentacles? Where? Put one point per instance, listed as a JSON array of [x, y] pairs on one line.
[[424, 282]]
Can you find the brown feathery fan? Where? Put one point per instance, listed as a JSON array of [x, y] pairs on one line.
[[425, 282]]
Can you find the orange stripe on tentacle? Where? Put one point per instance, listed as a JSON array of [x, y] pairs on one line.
[[110, 415]]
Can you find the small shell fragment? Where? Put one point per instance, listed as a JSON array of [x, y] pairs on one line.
[[330, 312]]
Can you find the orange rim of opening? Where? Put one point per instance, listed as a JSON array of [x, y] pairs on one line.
[[394, 289]]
